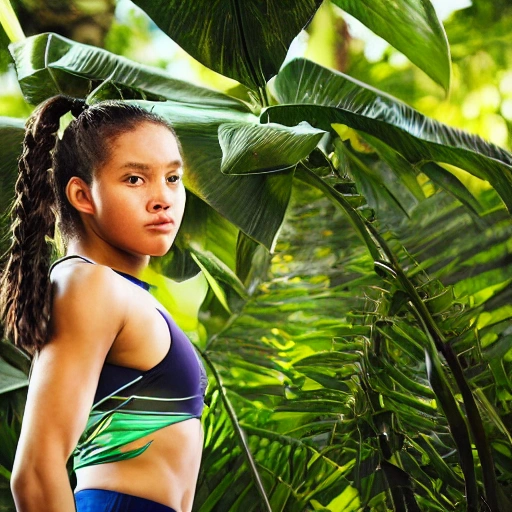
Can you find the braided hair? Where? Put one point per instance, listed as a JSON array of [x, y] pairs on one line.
[[46, 165]]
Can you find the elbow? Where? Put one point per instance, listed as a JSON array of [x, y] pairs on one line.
[[19, 486], [37, 476], [37, 485], [18, 478], [22, 481], [29, 481]]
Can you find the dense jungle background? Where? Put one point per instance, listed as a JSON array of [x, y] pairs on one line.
[[344, 267]]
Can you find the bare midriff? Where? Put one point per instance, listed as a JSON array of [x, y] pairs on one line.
[[166, 472]]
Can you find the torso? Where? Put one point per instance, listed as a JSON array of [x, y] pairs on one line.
[[166, 472]]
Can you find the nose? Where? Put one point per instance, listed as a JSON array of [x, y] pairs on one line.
[[160, 199], [159, 205]]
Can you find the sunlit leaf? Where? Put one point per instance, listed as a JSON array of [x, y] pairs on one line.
[[412, 27], [49, 64], [322, 97], [10, 22], [182, 299]]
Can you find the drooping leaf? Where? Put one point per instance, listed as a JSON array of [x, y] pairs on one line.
[[322, 97], [214, 285], [246, 40], [451, 184], [218, 269], [49, 64], [209, 231], [412, 27]]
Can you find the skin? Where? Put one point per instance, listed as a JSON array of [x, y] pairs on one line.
[[139, 186]]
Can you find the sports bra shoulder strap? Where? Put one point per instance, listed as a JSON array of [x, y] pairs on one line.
[[60, 260]]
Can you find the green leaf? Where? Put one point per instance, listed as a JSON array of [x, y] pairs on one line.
[[11, 378], [322, 97], [412, 27], [377, 190], [404, 172], [457, 423], [11, 134], [245, 40], [218, 269], [355, 219], [449, 182], [207, 229], [214, 285], [49, 64], [182, 299], [257, 148]]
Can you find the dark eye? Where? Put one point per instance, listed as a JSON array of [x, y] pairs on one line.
[[174, 178], [134, 180]]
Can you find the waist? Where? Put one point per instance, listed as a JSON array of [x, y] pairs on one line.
[[166, 472]]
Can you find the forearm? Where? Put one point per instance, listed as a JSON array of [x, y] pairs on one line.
[[47, 490]]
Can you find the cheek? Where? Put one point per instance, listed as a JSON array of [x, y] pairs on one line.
[[112, 207]]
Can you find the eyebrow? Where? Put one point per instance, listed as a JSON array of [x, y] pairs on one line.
[[145, 167]]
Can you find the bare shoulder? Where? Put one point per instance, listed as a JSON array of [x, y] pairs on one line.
[[75, 278], [88, 295]]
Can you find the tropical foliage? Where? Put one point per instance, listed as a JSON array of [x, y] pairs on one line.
[[356, 323]]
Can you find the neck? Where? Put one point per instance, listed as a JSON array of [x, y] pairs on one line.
[[132, 264]]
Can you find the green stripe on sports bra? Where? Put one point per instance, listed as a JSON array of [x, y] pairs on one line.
[[107, 432]]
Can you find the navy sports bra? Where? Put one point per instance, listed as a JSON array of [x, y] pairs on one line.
[[130, 403]]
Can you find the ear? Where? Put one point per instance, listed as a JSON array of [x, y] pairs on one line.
[[79, 195]]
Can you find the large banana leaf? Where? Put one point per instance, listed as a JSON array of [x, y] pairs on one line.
[[246, 40], [49, 64], [412, 27], [323, 97]]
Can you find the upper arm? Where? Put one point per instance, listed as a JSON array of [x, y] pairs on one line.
[[86, 318]]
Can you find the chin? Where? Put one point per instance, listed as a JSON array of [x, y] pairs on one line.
[[159, 251]]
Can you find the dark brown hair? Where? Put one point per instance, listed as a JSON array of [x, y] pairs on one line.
[[45, 168]]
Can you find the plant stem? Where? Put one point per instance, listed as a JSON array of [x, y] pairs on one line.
[[240, 433], [9, 22]]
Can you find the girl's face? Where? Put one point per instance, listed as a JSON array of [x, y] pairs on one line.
[[138, 196]]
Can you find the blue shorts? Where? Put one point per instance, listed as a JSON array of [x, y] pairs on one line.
[[102, 500]]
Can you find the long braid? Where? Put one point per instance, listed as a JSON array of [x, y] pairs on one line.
[[25, 289]]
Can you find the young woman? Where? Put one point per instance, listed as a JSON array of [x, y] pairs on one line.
[[115, 384]]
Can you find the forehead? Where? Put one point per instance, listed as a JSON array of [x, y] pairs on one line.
[[149, 143]]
